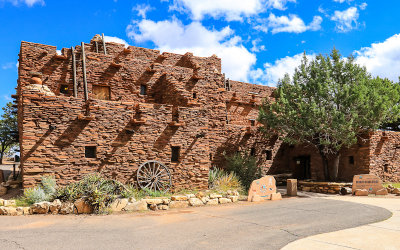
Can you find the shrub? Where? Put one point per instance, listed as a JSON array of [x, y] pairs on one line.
[[45, 191], [94, 189], [245, 167], [227, 181], [213, 175]]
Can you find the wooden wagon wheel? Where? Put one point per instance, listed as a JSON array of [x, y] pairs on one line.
[[155, 176]]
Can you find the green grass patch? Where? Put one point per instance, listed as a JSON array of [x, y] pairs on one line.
[[394, 184]]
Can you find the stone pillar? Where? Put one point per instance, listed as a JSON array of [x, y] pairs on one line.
[[292, 187]]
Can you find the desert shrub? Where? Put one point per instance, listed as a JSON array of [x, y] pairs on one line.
[[131, 191], [245, 167], [227, 181], [45, 191], [213, 175], [98, 191]]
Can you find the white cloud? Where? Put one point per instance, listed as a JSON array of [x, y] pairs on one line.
[[142, 9], [272, 72], [256, 47], [342, 1], [173, 36], [346, 20], [29, 3], [114, 39], [292, 24], [382, 59], [363, 6], [8, 65], [229, 9]]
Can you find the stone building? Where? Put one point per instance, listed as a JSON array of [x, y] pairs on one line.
[[116, 108]]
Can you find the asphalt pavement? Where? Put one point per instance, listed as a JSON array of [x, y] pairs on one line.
[[267, 225]]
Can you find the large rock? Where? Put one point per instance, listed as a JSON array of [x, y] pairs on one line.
[[67, 208], [212, 201], [382, 191], [396, 191], [200, 195], [9, 203], [262, 187], [118, 205], [3, 210], [195, 202], [19, 210], [233, 198], [361, 192], [55, 206], [1, 202], [153, 207], [178, 204], [215, 196], [205, 200], [82, 207], [163, 207], [224, 200], [369, 182], [179, 198], [27, 210], [8, 211], [256, 198], [155, 201], [40, 208], [136, 206], [276, 197], [191, 196]]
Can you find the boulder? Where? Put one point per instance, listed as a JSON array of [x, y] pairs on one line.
[[224, 200], [166, 201], [12, 211], [179, 198], [154, 201], [55, 206], [213, 201], [276, 197], [27, 210], [262, 187], [200, 195], [205, 200], [66, 208], [396, 191], [1, 202], [215, 196], [20, 210], [136, 206], [9, 203], [82, 207], [178, 204], [190, 196], [382, 191], [3, 210], [195, 202], [118, 205], [233, 198], [40, 208], [361, 192], [153, 207], [163, 207]]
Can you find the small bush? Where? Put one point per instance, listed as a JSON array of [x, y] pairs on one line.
[[245, 167], [43, 192], [94, 189], [213, 175], [227, 181]]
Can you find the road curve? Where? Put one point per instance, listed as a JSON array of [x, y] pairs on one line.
[[267, 225]]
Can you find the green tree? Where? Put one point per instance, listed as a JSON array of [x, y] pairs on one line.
[[329, 102], [8, 127]]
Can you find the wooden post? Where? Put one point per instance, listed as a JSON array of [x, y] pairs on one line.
[[74, 72], [292, 187], [104, 44], [97, 46], [85, 90]]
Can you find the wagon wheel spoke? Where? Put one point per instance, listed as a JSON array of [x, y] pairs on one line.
[[154, 175]]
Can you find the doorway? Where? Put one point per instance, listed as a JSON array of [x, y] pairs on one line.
[[302, 168]]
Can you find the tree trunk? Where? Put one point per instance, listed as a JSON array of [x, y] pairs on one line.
[[325, 165], [1, 157], [335, 167]]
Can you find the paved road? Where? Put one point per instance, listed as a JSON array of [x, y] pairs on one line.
[[268, 225]]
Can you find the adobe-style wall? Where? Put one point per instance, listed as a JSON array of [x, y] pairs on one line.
[[186, 88]]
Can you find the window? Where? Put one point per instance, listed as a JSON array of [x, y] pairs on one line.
[[143, 89], [64, 89], [386, 168], [90, 151], [252, 122], [194, 95], [268, 155], [253, 152], [351, 160], [101, 92], [175, 154], [175, 115]]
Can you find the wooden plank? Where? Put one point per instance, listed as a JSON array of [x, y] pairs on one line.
[[101, 92], [85, 90], [104, 44], [74, 72]]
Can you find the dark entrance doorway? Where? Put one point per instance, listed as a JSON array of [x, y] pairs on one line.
[[302, 168]]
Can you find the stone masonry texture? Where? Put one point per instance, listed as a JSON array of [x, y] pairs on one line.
[[188, 104]]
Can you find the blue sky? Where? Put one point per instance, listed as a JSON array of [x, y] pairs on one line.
[[258, 40]]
